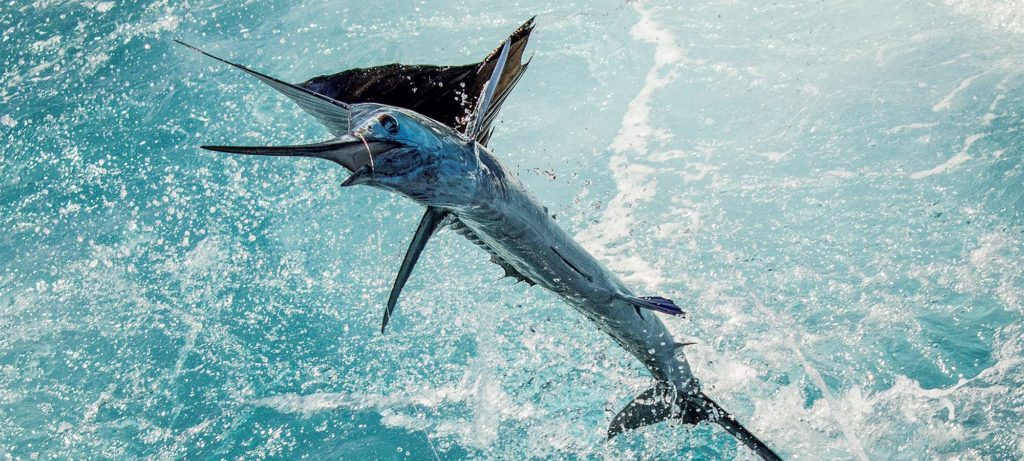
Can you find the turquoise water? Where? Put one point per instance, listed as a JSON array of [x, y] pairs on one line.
[[833, 190]]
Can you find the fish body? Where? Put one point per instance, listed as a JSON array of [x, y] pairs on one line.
[[422, 132]]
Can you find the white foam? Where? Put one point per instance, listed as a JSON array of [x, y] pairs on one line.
[[991, 114], [953, 161], [841, 174], [479, 391], [845, 424], [310, 404], [947, 101], [990, 247], [610, 238], [95, 60], [46, 45], [950, 164], [773, 156], [1006, 15]]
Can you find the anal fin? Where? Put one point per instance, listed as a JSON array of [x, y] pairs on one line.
[[428, 226]]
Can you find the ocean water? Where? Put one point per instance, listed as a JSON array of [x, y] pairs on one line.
[[832, 189]]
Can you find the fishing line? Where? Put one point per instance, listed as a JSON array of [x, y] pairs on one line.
[[431, 443], [380, 220], [369, 152]]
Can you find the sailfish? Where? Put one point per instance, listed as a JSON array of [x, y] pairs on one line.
[[422, 131]]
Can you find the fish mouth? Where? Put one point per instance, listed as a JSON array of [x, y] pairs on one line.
[[352, 151], [356, 152]]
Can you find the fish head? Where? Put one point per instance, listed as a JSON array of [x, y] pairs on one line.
[[415, 156]]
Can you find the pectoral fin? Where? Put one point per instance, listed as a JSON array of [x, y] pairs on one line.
[[428, 226]]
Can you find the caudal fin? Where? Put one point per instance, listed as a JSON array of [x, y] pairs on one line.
[[662, 402]]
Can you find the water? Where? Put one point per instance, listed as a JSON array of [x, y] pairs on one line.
[[831, 189]]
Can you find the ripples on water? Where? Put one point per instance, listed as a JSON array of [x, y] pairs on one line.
[[833, 190]]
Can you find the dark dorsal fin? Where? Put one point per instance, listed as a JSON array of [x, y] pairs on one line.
[[447, 94], [428, 225]]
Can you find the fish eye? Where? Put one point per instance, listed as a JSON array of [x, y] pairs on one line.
[[389, 123]]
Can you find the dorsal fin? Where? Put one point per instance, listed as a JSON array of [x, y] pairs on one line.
[[447, 94], [333, 114], [477, 128], [514, 70], [432, 218]]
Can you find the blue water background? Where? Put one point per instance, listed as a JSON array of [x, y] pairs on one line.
[[832, 189]]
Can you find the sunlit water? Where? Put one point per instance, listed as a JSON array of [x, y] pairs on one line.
[[832, 189]]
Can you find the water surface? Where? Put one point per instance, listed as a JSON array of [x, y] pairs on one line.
[[833, 190]]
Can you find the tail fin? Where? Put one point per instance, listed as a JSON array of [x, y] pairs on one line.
[[663, 402]]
